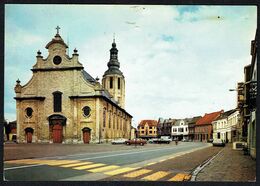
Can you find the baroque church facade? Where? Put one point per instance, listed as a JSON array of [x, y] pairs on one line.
[[62, 103]]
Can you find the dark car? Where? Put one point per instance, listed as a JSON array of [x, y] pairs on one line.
[[136, 141]]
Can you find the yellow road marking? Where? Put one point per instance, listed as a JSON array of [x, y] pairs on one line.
[[162, 160], [151, 163], [180, 177], [137, 173], [20, 161], [89, 166], [156, 176], [101, 169], [119, 171], [76, 164], [60, 162]]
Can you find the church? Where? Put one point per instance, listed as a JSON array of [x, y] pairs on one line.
[[62, 103]]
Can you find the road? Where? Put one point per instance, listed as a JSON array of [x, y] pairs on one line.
[[129, 163]]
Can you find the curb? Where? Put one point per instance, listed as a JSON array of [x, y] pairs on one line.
[[202, 166]]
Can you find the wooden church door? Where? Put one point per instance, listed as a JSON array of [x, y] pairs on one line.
[[86, 136], [57, 133], [29, 137]]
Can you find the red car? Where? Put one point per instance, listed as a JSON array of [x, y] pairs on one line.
[[136, 141]]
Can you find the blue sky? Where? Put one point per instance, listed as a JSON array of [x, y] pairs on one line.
[[178, 61]]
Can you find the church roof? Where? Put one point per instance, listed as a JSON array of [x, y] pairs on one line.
[[113, 64], [88, 77], [56, 39]]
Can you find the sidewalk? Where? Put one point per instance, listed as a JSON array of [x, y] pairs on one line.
[[229, 165]]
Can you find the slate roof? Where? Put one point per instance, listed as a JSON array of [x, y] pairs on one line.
[[194, 119], [151, 123], [208, 118], [88, 77], [225, 114]]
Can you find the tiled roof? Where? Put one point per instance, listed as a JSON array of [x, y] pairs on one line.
[[208, 118], [151, 123]]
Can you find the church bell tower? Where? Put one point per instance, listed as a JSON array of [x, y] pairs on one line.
[[113, 79]]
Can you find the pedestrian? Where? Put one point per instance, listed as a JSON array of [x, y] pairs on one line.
[[176, 142]]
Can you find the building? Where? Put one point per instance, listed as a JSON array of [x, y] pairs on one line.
[[164, 127], [147, 129], [191, 127], [203, 127], [180, 129], [233, 126], [133, 133], [241, 128], [250, 94], [62, 103], [222, 128]]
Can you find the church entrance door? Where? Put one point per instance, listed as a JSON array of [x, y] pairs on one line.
[[57, 132], [86, 134], [29, 134], [29, 137]]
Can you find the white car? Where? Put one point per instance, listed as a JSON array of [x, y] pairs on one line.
[[118, 141], [218, 142]]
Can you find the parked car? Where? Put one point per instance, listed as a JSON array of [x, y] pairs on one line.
[[184, 140], [118, 141], [152, 140], [218, 142], [136, 141], [210, 140], [163, 139]]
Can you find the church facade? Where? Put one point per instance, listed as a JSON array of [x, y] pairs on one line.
[[62, 103]]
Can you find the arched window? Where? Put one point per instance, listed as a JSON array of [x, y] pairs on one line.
[[57, 101], [104, 117], [111, 82], [118, 83], [109, 119]]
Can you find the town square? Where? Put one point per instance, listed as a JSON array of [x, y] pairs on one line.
[[130, 93]]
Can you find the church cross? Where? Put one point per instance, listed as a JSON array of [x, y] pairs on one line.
[[57, 29]]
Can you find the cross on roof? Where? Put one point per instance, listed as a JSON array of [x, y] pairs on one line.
[[57, 29], [114, 37]]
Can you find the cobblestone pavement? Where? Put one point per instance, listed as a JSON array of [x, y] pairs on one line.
[[229, 165], [181, 167]]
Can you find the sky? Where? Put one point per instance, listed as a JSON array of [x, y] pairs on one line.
[[178, 61]]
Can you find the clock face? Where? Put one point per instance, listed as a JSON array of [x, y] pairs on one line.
[[57, 60]]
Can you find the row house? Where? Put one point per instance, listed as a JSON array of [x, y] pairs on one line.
[[147, 129], [191, 127], [203, 127], [224, 126], [252, 100], [180, 129], [164, 126], [247, 105]]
